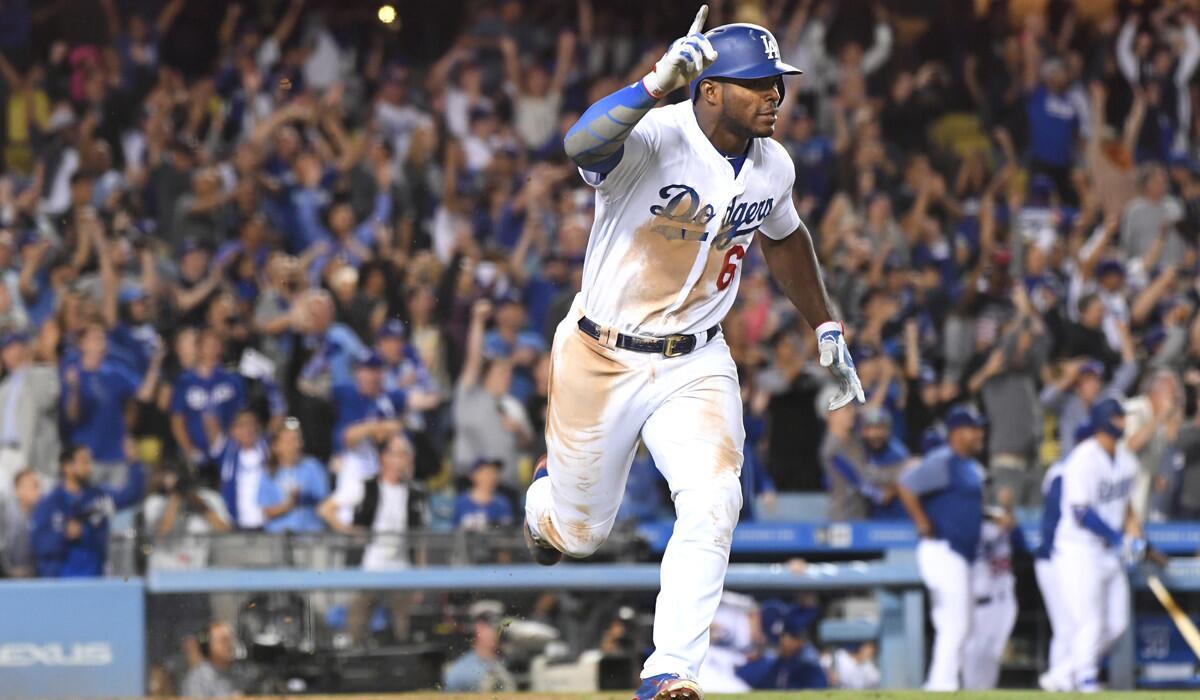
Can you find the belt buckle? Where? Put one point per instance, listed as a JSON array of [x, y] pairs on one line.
[[669, 344]]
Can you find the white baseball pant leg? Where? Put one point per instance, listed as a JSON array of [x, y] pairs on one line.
[[947, 575], [688, 411], [695, 436], [991, 624], [596, 407], [1059, 615], [1098, 604]]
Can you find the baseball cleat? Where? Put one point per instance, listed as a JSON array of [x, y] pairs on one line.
[[668, 686], [543, 553]]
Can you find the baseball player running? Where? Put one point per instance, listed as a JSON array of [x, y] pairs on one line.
[[1090, 551], [1043, 562], [944, 497], [680, 193], [995, 608]]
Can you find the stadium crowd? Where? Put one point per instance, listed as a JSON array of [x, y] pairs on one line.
[[268, 265]]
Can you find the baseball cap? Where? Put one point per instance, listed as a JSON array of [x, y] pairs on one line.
[[933, 438], [1092, 366], [796, 620], [964, 416], [486, 462], [372, 360], [131, 293], [876, 416], [13, 337], [392, 329], [1110, 267]]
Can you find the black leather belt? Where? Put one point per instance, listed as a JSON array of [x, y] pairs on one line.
[[670, 346]]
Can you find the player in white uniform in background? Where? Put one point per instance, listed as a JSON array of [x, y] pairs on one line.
[[1057, 612], [681, 192], [1098, 536], [995, 591]]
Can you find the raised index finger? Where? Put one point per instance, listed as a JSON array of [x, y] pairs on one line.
[[698, 23]]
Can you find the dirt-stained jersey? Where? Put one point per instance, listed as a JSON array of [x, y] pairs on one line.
[[673, 223]]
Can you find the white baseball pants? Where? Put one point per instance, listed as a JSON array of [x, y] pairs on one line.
[[1096, 593], [947, 575], [1059, 615], [688, 410], [991, 624]]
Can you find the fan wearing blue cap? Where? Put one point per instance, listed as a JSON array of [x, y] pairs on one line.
[[403, 368], [366, 415], [1080, 386], [1097, 537], [944, 497], [796, 663]]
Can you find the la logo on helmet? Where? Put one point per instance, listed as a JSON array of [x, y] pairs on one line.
[[770, 47]]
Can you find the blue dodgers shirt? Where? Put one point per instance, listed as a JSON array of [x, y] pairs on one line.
[[893, 456], [469, 515], [1053, 123], [352, 406], [101, 421], [951, 491], [222, 393]]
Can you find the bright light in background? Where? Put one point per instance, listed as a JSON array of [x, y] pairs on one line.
[[387, 14]]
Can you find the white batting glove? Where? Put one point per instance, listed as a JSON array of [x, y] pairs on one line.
[[686, 59], [834, 355]]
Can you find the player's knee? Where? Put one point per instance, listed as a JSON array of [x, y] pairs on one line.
[[711, 511], [579, 539]]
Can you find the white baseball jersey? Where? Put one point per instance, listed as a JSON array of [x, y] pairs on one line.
[[991, 572], [673, 223], [1093, 479]]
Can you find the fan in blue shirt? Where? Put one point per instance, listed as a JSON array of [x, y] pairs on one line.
[[293, 485], [885, 456], [364, 409], [403, 368], [204, 400], [483, 507], [95, 392], [334, 346], [70, 524]]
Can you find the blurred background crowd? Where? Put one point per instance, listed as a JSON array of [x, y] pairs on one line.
[[289, 266]]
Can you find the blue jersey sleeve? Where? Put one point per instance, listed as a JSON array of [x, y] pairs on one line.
[[1051, 512], [596, 141], [179, 395], [1091, 520], [932, 474]]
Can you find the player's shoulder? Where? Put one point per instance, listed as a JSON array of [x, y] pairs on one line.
[[773, 150]]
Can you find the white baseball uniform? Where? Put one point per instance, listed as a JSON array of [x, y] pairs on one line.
[[673, 223], [1091, 576], [995, 609], [1059, 615]]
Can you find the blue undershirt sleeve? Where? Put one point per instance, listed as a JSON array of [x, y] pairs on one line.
[[595, 142], [1090, 520]]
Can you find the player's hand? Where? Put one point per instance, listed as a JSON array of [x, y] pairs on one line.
[[836, 356], [1156, 557], [686, 59], [1133, 550]]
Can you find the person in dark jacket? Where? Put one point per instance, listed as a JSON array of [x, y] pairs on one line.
[[70, 525]]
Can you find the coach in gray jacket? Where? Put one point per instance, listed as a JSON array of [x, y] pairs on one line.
[[28, 412]]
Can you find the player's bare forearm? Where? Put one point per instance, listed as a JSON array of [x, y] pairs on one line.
[[912, 504], [793, 263]]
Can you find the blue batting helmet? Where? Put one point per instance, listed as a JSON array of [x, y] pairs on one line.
[[745, 51], [1103, 417]]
